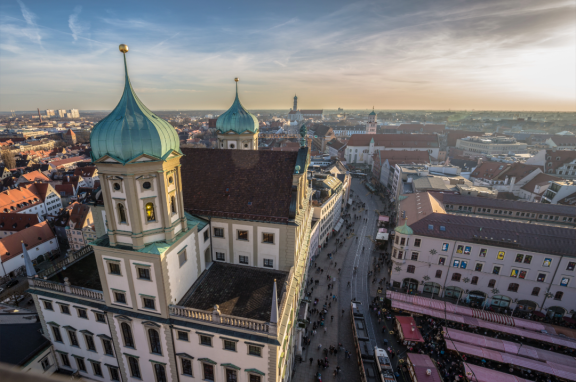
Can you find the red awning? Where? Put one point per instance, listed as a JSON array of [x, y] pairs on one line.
[[410, 331]]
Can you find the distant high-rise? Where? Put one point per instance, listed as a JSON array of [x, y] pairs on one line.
[[62, 113], [50, 113], [75, 113], [295, 103]]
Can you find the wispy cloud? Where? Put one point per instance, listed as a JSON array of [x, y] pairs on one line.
[[73, 23], [32, 32]]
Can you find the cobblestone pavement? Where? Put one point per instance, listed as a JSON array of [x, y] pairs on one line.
[[354, 253]]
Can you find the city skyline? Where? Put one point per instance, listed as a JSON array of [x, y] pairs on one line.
[[513, 56]]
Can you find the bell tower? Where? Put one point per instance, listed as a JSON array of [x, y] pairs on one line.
[[371, 125], [295, 103], [138, 157]]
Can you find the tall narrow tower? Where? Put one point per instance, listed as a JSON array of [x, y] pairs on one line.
[[295, 103], [371, 125]]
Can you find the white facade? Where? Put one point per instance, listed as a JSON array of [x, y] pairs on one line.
[[18, 261], [328, 215]]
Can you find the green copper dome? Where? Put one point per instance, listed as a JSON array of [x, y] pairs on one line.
[[373, 112], [131, 130], [237, 119], [404, 230]]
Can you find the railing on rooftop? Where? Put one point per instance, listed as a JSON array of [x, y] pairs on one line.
[[222, 319], [65, 287], [72, 258]]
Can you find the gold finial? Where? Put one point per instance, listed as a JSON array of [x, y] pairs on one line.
[[123, 48], [236, 79]]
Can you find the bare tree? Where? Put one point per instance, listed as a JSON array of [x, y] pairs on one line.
[[8, 158]]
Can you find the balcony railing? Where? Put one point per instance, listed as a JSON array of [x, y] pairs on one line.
[[221, 319], [92, 294], [72, 258]]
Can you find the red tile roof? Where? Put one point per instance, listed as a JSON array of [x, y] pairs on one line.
[[11, 246], [420, 128], [78, 215], [17, 222], [85, 172], [558, 158], [244, 184], [65, 189], [489, 170], [539, 180], [62, 162], [20, 198], [35, 176], [518, 171], [569, 200]]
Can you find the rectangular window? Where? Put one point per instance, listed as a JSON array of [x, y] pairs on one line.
[[478, 267], [206, 235], [456, 263], [182, 336], [268, 238], [243, 259], [541, 277], [519, 258], [149, 303], [411, 269], [255, 350], [229, 345], [100, 317], [208, 371], [90, 342], [441, 261], [571, 266], [564, 281], [414, 256], [114, 373], [417, 242], [107, 344], [144, 273], [269, 263], [438, 274], [255, 378], [64, 309], [205, 340], [81, 364], [120, 297], [501, 255], [527, 259], [186, 366], [242, 235], [463, 264], [114, 268], [220, 256], [456, 276], [522, 274], [218, 232], [65, 360], [45, 363], [182, 258], [514, 273], [496, 270], [48, 305], [134, 367], [73, 338], [82, 313], [483, 252], [547, 262], [57, 335], [558, 296]]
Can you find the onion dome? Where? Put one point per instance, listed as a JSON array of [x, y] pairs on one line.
[[237, 119], [373, 112], [132, 130], [404, 229]]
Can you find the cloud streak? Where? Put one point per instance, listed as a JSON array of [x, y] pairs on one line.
[[73, 23]]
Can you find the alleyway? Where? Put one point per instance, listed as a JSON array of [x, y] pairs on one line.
[[354, 253]]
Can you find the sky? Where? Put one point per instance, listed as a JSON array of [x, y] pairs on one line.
[[401, 54]]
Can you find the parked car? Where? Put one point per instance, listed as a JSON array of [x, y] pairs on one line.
[[11, 283]]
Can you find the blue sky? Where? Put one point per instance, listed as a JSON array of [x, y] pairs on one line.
[[403, 54]]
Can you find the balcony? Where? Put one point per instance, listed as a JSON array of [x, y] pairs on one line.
[[66, 288]]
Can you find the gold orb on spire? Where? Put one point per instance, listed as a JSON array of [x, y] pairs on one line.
[[123, 48], [236, 79]]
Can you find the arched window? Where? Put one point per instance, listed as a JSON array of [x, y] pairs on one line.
[[535, 291], [558, 295], [160, 372], [513, 287], [122, 213], [127, 334], [134, 367], [154, 341], [173, 204], [456, 276], [474, 280], [150, 215], [491, 283]]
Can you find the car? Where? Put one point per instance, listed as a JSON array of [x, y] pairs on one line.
[[11, 283]]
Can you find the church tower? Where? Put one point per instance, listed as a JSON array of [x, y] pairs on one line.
[[295, 103], [371, 125], [237, 128]]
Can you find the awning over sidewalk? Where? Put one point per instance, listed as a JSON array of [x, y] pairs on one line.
[[383, 230], [383, 218], [339, 225], [482, 374], [381, 236], [408, 329]]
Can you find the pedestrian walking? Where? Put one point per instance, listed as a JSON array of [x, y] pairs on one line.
[[311, 360], [331, 318], [319, 346]]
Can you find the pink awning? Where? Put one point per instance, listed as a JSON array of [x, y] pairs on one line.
[[476, 373], [409, 328], [383, 218], [382, 230]]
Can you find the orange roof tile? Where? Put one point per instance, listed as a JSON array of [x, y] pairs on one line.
[[11, 246]]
